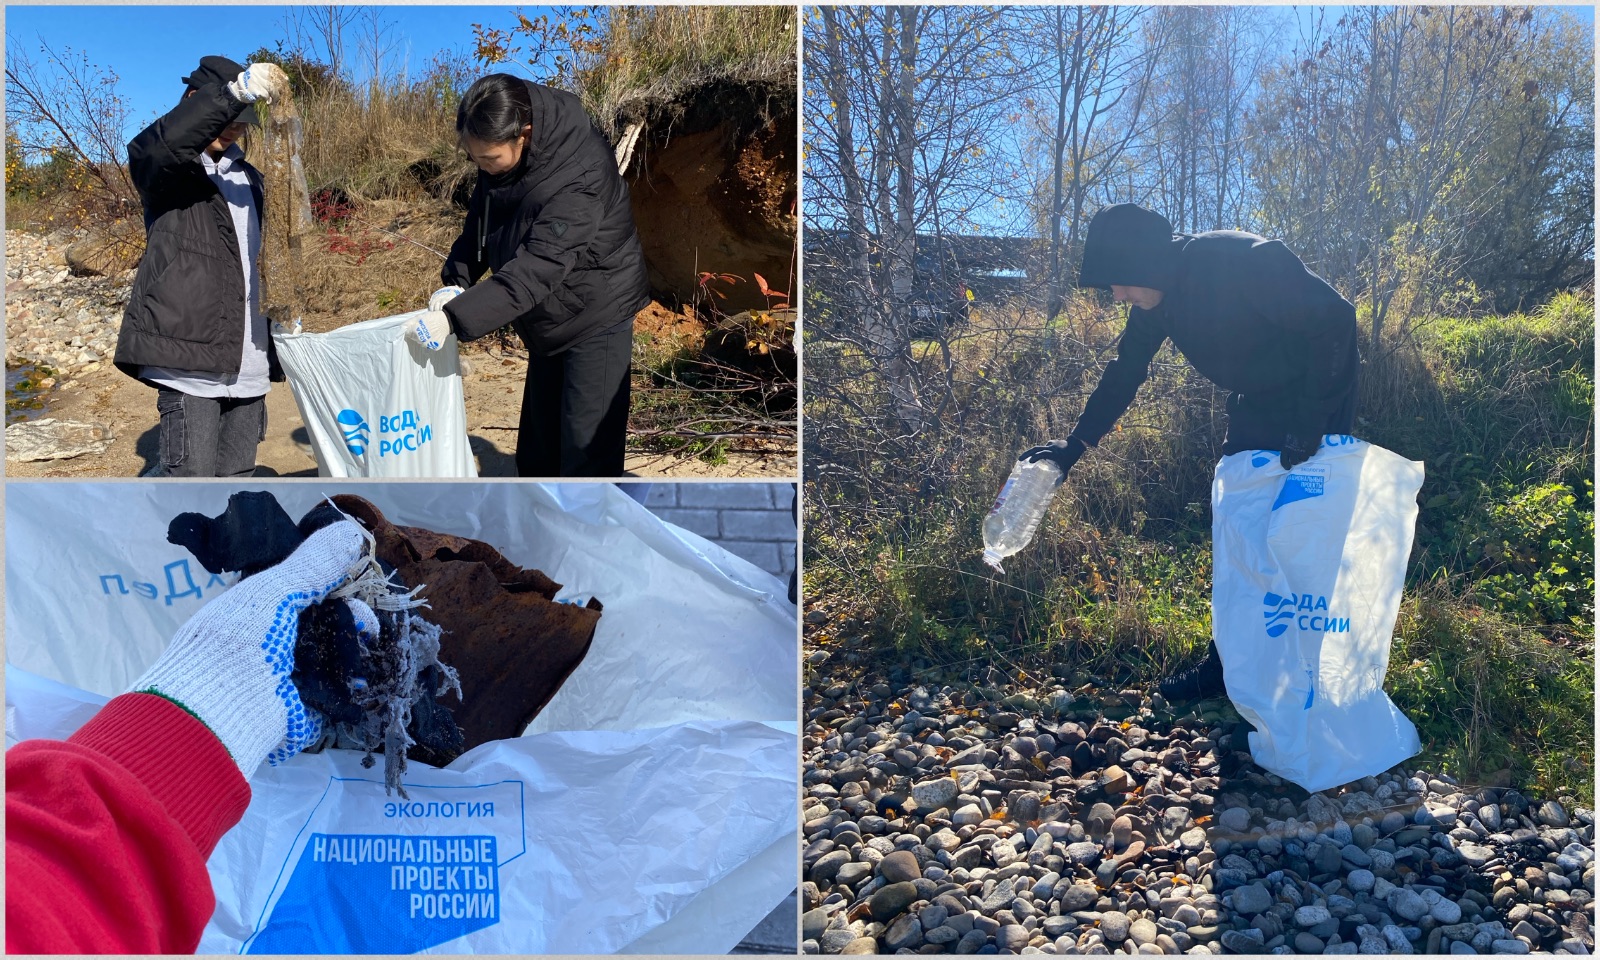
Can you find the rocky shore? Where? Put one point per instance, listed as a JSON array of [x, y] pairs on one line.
[[948, 817], [54, 319]]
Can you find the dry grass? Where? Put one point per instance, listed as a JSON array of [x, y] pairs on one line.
[[653, 57]]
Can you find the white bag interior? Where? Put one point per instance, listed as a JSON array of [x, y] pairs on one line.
[[656, 793]]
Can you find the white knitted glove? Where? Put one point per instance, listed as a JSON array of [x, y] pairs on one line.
[[442, 296], [260, 81], [431, 330], [229, 665]]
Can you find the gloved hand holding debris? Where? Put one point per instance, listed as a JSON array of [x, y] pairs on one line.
[[260, 81], [367, 660], [229, 665]]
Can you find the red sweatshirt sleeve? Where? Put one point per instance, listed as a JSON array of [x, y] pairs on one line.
[[108, 832]]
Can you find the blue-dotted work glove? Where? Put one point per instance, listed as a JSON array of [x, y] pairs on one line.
[[260, 81], [229, 665], [444, 295], [431, 329]]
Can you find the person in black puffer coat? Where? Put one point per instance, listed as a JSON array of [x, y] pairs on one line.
[[194, 328], [550, 216], [1250, 317]]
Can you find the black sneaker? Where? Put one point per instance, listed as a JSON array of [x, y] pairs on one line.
[[1200, 682]]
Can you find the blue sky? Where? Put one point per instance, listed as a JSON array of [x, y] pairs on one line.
[[151, 47]]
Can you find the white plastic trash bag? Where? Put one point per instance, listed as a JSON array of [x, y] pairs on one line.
[[376, 404], [652, 806], [1309, 568]]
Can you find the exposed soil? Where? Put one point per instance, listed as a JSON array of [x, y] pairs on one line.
[[342, 289]]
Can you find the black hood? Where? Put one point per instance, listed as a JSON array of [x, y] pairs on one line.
[[1129, 246]]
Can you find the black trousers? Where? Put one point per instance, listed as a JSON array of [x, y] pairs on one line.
[[575, 408], [1260, 421], [209, 436]]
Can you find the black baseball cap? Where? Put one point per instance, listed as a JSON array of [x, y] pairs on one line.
[[221, 71]]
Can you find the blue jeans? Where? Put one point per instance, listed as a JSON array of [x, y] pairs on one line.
[[209, 437]]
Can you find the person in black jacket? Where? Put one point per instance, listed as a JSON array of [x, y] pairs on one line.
[[194, 328], [550, 216], [1250, 317]]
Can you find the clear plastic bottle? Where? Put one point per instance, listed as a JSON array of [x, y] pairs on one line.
[[1015, 517]]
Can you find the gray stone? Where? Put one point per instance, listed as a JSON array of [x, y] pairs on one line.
[[1329, 859], [889, 901], [967, 815], [1396, 938], [1057, 926], [812, 923], [1456, 946], [853, 873], [1251, 899], [1243, 941], [1084, 852], [1235, 819], [972, 942], [1143, 931], [1360, 881], [1509, 946], [1474, 854], [933, 794], [1550, 813], [828, 866], [1077, 896], [999, 898], [900, 867], [942, 934], [836, 939], [1446, 911], [1408, 904], [1306, 943], [1311, 915], [1114, 924], [1355, 856], [52, 439], [863, 946], [905, 932], [1013, 937]]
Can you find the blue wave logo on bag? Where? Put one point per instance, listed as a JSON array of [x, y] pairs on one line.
[[1261, 459], [1308, 612], [1279, 613], [355, 430]]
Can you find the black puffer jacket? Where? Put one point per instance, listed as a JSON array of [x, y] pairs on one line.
[[557, 232], [186, 309], [1244, 310]]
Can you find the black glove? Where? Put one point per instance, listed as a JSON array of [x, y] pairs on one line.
[[1063, 453], [1296, 450]]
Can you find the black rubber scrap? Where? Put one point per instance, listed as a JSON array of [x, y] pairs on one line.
[[255, 533], [252, 534]]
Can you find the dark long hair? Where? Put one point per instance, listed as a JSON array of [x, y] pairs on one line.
[[494, 109]]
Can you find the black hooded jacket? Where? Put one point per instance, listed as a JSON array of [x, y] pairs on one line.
[[186, 309], [558, 233], [1244, 310]]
